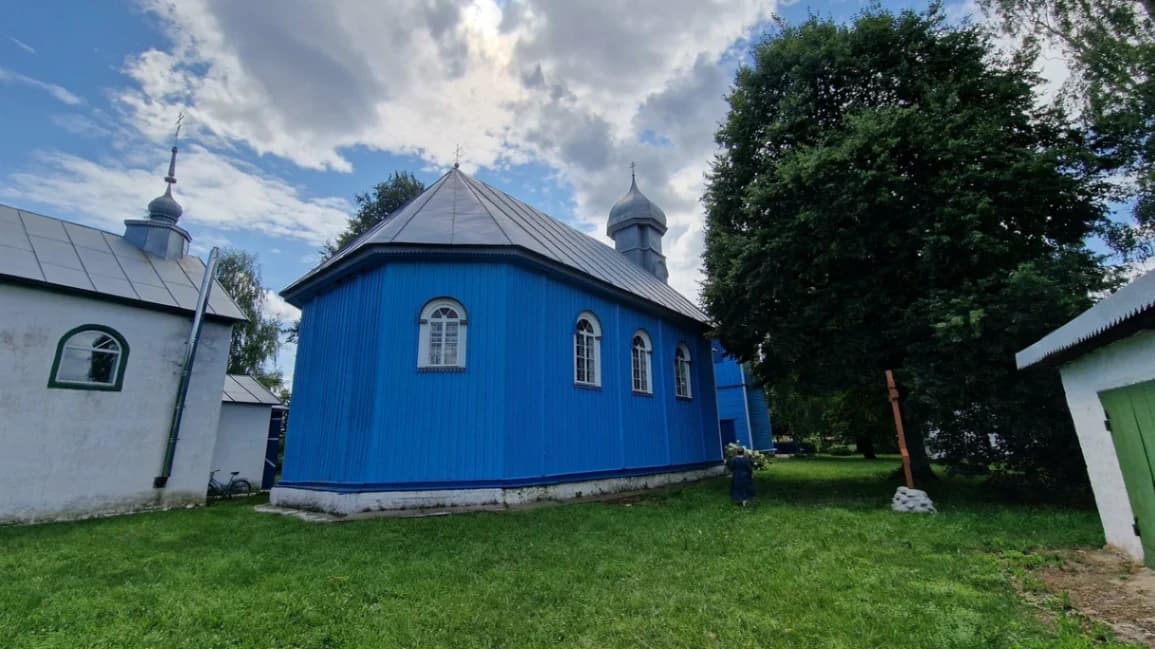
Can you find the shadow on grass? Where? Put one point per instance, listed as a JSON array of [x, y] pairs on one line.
[[855, 482]]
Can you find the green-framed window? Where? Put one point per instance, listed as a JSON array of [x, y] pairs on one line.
[[89, 357]]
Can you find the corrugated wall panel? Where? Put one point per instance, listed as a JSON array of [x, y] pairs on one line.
[[763, 439], [440, 425], [732, 405]]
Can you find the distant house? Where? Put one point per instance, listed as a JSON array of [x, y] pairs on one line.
[[1106, 357], [249, 434], [93, 333], [472, 350], [743, 415]]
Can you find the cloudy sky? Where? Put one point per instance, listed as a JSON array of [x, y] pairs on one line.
[[292, 107]]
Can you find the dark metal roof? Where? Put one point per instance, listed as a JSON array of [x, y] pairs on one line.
[[41, 250], [241, 388], [1110, 319], [634, 207], [460, 211]]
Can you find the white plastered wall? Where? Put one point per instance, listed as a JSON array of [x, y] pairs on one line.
[[242, 438], [1126, 362], [68, 453]]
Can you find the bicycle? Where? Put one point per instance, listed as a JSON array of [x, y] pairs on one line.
[[234, 487]]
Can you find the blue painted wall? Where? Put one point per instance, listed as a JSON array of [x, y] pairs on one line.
[[742, 400], [364, 416]]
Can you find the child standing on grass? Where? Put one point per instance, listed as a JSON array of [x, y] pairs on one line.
[[741, 477]]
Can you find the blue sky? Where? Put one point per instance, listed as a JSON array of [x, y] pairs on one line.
[[293, 107]]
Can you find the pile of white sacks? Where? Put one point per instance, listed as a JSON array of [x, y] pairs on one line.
[[912, 500]]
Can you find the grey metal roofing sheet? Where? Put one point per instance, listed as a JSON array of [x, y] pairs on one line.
[[1128, 302], [461, 210], [39, 248], [241, 388]]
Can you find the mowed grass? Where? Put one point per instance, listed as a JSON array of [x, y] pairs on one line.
[[817, 561]]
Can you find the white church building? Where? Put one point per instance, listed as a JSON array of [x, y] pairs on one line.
[[94, 328]]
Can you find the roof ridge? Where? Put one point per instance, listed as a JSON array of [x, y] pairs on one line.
[[544, 221], [480, 201], [353, 245]]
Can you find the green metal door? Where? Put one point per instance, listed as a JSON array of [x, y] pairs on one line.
[[1131, 420]]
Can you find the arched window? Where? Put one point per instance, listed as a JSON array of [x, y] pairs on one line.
[[90, 357], [682, 384], [587, 343], [443, 334], [640, 363]]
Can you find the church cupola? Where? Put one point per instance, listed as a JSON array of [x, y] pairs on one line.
[[159, 234], [636, 225]]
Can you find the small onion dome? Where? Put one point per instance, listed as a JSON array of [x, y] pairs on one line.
[[165, 207], [634, 207]]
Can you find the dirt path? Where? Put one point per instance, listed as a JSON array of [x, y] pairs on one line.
[[1106, 585]]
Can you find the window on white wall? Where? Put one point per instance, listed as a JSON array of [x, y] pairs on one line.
[[442, 335], [587, 350], [89, 357], [682, 387], [640, 363]]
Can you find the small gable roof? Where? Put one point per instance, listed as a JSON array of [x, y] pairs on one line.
[[242, 388], [44, 251], [1114, 317], [462, 212]]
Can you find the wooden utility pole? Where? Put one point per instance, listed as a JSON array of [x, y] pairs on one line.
[[892, 389]]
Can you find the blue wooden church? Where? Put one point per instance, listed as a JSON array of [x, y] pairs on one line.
[[743, 414], [472, 350]]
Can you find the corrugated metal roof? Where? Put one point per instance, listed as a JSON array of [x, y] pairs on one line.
[[459, 210], [241, 388], [1132, 300], [41, 249]]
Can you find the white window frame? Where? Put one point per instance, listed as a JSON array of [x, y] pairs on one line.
[[588, 374], [641, 367], [432, 325], [683, 389]]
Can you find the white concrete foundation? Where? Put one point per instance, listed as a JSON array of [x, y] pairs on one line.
[[344, 504]]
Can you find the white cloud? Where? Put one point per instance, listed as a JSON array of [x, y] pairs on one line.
[[22, 45], [218, 192], [277, 308], [59, 93], [573, 85]]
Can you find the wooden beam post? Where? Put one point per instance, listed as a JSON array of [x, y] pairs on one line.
[[892, 389]]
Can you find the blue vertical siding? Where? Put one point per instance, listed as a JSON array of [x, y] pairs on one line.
[[740, 398], [763, 437], [364, 415]]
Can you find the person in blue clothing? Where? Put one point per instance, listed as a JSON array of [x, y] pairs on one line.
[[741, 477]]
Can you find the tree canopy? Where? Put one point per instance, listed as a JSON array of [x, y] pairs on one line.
[[254, 342], [1110, 46], [372, 208], [889, 196]]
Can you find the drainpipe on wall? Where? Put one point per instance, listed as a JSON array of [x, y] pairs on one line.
[[190, 352], [746, 405]]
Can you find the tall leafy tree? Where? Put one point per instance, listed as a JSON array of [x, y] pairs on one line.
[[888, 196], [256, 341], [1110, 46], [372, 207]]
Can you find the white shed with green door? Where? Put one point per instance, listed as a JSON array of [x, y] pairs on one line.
[[1106, 357]]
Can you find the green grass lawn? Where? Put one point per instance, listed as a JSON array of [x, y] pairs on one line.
[[818, 561]]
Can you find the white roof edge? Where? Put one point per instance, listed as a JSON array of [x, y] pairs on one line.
[[1129, 301]]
